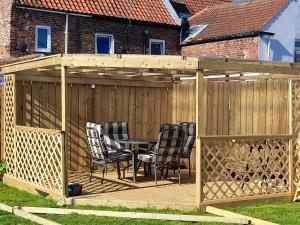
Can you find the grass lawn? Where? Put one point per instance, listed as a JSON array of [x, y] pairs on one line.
[[283, 212]]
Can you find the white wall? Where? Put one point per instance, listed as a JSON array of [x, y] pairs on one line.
[[286, 26]]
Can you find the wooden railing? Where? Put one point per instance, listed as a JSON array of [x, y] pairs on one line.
[[235, 167]]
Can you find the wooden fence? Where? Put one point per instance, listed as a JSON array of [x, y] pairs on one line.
[[235, 108], [145, 108]]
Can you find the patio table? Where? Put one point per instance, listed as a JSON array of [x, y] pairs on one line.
[[135, 152]]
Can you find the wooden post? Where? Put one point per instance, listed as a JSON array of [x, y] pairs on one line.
[[64, 121], [199, 134], [291, 141]]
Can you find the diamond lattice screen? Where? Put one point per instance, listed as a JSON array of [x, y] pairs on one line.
[[33, 155], [244, 167], [9, 122], [296, 129], [39, 158]]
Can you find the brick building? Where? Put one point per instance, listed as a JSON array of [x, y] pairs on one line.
[[30, 27], [256, 29]]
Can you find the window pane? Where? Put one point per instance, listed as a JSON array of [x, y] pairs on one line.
[[103, 45], [297, 44], [156, 48], [42, 38], [297, 57]]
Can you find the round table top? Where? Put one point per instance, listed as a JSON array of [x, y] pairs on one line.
[[137, 142]]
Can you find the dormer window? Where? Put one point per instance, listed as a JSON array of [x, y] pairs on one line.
[[193, 31]]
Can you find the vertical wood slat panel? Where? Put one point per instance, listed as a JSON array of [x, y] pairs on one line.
[[254, 107], [244, 109], [35, 104]]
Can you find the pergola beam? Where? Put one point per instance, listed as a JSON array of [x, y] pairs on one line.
[[131, 61], [249, 66], [44, 62]]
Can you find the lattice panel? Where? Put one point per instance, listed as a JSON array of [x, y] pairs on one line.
[[296, 129], [39, 157], [244, 167], [9, 122]]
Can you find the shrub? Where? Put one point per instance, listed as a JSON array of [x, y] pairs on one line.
[[3, 168]]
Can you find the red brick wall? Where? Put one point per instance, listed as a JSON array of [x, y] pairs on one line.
[[245, 48], [5, 18], [82, 33]]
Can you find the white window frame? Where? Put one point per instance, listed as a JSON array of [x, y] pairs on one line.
[[159, 41], [112, 43], [48, 49]]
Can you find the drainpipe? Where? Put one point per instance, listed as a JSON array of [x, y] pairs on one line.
[[268, 48], [268, 38], [66, 33]]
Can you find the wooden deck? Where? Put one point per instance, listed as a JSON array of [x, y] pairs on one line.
[[124, 192]]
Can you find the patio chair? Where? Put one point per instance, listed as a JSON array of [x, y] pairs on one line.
[[189, 140], [114, 132], [100, 153], [167, 150]]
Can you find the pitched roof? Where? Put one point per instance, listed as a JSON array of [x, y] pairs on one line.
[[195, 6], [230, 19], [141, 10]]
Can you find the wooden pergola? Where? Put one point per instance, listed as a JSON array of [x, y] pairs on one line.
[[220, 146]]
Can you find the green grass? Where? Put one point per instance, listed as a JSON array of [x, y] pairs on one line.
[[283, 212]]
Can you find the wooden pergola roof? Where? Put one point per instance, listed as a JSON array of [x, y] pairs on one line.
[[143, 67]]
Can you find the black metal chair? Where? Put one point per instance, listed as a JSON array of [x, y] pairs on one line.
[[189, 140], [100, 152], [166, 152]]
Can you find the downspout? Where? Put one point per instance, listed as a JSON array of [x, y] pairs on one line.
[[66, 33], [268, 49]]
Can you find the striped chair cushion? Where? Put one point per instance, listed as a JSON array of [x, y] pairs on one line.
[[95, 142], [189, 138], [113, 133], [169, 144]]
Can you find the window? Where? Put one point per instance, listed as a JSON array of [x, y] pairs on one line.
[[104, 44], [157, 47], [297, 51], [42, 38], [193, 31]]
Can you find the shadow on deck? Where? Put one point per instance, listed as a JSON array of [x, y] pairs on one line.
[[143, 193]]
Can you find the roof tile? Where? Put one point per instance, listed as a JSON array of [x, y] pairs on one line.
[[235, 18], [141, 10], [195, 6]]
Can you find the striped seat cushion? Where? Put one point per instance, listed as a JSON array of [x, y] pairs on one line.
[[189, 138], [167, 149], [95, 141], [113, 133]]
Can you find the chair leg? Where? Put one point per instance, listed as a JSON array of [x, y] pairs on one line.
[[124, 171], [189, 167], [118, 171], [149, 170], [103, 172], [91, 170], [179, 175], [145, 170], [167, 173], [155, 174]]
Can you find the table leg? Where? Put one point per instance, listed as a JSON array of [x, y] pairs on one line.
[[134, 161]]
